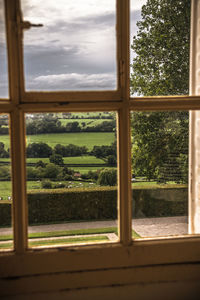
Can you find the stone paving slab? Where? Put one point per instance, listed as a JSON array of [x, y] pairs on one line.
[[146, 227], [154, 227]]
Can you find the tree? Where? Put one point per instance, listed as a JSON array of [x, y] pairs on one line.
[[160, 145], [38, 150], [50, 171], [161, 67], [56, 159], [161, 47], [107, 177], [3, 152]]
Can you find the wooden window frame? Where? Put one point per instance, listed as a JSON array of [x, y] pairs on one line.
[[23, 261]]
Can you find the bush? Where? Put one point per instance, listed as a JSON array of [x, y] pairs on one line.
[[56, 159], [107, 177], [60, 185], [72, 205], [98, 204], [46, 184], [32, 173], [4, 173]]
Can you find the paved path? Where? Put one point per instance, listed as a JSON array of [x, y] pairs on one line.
[[146, 227]]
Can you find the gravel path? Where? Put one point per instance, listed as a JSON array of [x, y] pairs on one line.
[[147, 227]]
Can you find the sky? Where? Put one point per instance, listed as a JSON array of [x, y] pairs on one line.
[[76, 47]]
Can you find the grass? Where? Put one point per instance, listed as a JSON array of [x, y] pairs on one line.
[[135, 235], [88, 122], [5, 189], [88, 139], [88, 239], [85, 159], [5, 186], [64, 234], [150, 185], [93, 239]]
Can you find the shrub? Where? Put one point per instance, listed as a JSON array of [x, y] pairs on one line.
[[107, 177], [46, 184]]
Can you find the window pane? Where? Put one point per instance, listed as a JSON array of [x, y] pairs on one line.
[[160, 42], [3, 56], [71, 178], [6, 231], [76, 47], [160, 173]]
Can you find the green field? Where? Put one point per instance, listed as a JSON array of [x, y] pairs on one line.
[[88, 139], [88, 122], [87, 159], [5, 189]]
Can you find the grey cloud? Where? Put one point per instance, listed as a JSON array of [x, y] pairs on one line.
[[55, 60], [135, 17], [85, 23], [74, 81]]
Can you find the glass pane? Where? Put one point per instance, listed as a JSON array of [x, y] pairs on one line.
[[6, 231], [3, 55], [71, 178], [160, 173], [76, 47], [160, 42]]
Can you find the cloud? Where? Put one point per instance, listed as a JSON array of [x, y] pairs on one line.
[[74, 81]]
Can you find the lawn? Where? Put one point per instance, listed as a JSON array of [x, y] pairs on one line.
[[63, 234], [88, 122], [88, 139], [5, 189], [57, 242], [5, 186], [86, 159]]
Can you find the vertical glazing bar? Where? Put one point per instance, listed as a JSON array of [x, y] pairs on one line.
[[19, 181], [12, 15], [194, 144], [14, 46], [125, 213]]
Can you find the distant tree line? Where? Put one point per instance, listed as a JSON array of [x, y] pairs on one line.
[[51, 124], [43, 150], [105, 115]]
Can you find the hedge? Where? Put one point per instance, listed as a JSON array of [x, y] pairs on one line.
[[61, 205]]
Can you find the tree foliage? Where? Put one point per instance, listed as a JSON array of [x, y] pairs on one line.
[[107, 177], [161, 67], [161, 47]]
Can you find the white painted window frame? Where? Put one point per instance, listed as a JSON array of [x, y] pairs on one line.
[[127, 252]]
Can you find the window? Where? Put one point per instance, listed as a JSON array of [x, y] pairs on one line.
[[25, 101]]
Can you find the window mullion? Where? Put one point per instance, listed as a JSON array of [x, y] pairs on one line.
[[124, 166], [19, 180], [125, 215], [14, 46], [123, 47], [16, 85]]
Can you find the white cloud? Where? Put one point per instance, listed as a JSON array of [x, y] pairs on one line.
[[137, 4], [74, 81]]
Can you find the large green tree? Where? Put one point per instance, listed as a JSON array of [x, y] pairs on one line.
[[161, 49], [161, 67]]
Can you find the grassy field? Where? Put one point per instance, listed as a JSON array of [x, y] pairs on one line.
[[88, 122], [87, 159], [5, 189], [88, 139], [5, 186]]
